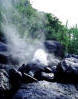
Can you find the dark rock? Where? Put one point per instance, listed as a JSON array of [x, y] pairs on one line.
[[15, 78], [3, 47], [24, 68], [54, 69], [3, 53], [75, 56], [34, 66], [47, 69], [67, 70], [34, 69], [2, 37], [28, 79], [46, 90], [4, 84], [4, 59], [47, 76], [71, 55], [54, 47], [5, 56]]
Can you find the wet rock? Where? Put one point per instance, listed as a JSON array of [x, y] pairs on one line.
[[3, 47], [28, 79], [54, 47], [47, 69], [71, 55], [4, 84], [3, 58], [67, 70], [3, 53], [34, 66], [24, 68], [15, 78], [46, 90], [34, 69], [47, 76], [2, 37]]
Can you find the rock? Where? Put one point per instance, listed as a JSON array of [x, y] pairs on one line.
[[5, 56], [15, 78], [34, 69], [47, 69], [4, 84], [3, 47], [34, 66], [54, 69], [75, 56], [54, 47], [47, 76], [28, 79], [24, 68], [71, 55], [46, 90], [3, 53], [4, 59], [2, 37], [67, 70]]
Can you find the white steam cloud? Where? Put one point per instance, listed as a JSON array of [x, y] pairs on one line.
[[19, 48]]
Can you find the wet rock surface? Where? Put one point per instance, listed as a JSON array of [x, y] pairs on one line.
[[67, 70], [4, 84], [46, 90], [58, 80], [3, 53], [54, 47]]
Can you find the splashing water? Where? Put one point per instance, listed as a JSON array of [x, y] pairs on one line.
[[20, 49]]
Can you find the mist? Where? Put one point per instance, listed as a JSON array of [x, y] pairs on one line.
[[21, 48]]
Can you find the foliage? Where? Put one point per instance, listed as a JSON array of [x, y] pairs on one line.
[[34, 24]]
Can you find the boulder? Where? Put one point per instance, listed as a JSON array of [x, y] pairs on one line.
[[4, 84], [3, 47], [28, 78], [67, 70], [4, 58], [71, 55], [54, 47], [15, 78], [3, 53], [2, 37], [46, 90], [47, 76], [34, 69]]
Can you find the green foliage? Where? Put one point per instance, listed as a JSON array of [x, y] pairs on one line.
[[66, 36], [34, 24]]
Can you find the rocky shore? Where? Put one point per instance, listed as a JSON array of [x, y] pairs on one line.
[[57, 80]]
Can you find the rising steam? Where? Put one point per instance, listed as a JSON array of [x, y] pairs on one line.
[[21, 49]]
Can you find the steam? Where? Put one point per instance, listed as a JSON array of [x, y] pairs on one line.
[[21, 49], [41, 56]]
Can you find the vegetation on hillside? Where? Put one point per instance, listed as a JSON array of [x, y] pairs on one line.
[[34, 24]]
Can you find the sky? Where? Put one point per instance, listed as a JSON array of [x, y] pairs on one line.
[[65, 10]]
